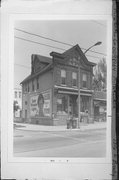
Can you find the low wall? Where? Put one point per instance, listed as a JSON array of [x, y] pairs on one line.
[[41, 121], [60, 120]]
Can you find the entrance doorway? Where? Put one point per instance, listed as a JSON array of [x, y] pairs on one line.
[[73, 105], [25, 113]]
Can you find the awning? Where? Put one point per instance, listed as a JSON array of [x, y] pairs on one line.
[[73, 91]]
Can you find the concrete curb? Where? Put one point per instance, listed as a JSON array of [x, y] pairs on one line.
[[30, 127]]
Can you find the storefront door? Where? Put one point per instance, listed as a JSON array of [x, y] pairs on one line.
[[85, 104], [73, 105]]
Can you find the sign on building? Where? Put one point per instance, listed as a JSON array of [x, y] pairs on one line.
[[40, 104]]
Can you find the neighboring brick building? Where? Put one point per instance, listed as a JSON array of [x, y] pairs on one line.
[[50, 92]]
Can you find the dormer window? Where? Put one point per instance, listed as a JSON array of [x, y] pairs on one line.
[[63, 77], [74, 79]]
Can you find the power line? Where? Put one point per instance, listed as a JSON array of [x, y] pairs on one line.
[[35, 42], [93, 56], [43, 37], [38, 43], [55, 40], [22, 65]]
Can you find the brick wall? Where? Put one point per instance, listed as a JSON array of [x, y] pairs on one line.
[[57, 74], [45, 83]]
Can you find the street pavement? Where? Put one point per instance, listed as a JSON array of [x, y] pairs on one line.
[[40, 141]]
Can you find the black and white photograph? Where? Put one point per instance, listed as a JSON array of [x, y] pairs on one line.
[[56, 90], [60, 88]]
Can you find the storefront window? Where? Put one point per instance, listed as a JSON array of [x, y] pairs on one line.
[[62, 104], [84, 103]]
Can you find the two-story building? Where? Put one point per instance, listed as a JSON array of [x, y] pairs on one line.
[[50, 92]]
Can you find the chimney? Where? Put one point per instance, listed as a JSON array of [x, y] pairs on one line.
[[32, 63]]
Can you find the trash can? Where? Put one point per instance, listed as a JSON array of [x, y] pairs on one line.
[[74, 124], [69, 124]]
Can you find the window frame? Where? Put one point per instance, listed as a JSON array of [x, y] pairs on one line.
[[63, 78], [74, 84], [86, 85], [63, 106]]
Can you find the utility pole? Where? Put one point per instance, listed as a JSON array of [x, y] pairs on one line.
[[79, 81]]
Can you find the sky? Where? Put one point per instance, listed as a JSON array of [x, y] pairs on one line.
[[85, 33]]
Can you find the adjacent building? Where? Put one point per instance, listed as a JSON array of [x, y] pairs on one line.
[[18, 101], [100, 105], [50, 93]]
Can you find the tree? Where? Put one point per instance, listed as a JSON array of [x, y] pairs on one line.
[[100, 75]]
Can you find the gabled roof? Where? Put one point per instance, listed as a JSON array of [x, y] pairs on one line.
[[46, 68], [48, 61], [69, 51], [43, 59], [76, 47]]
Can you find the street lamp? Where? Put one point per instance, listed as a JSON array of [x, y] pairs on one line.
[[96, 44]]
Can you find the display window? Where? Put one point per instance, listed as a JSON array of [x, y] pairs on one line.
[[62, 104]]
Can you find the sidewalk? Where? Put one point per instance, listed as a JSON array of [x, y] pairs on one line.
[[83, 127]]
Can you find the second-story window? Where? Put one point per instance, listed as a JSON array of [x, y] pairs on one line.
[[84, 80], [63, 77], [74, 79]]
